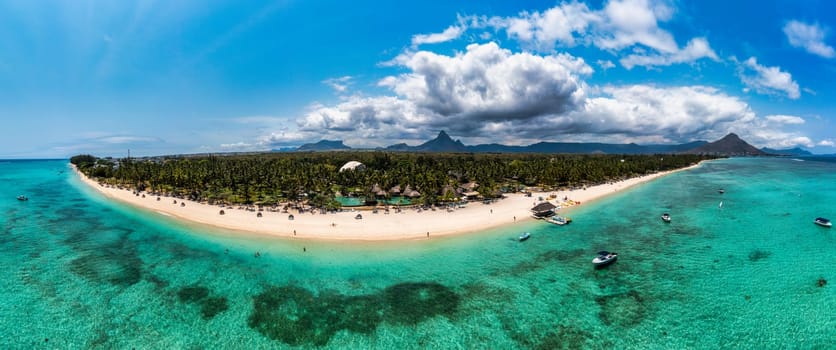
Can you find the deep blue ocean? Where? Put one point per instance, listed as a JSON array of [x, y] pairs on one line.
[[78, 271]]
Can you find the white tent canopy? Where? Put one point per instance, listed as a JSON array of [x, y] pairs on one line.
[[352, 165]]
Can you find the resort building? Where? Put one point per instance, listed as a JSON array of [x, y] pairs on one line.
[[543, 210]]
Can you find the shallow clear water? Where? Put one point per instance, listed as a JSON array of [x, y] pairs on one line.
[[360, 201], [77, 271]]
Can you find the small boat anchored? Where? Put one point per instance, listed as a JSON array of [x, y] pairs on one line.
[[604, 258], [22, 198], [524, 236], [666, 217], [559, 220], [823, 222], [721, 191]]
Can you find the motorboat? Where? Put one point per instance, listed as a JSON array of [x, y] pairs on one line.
[[823, 222], [22, 198], [604, 258], [666, 217], [721, 191], [559, 220], [524, 236]]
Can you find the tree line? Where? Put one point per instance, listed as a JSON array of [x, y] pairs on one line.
[[270, 178]]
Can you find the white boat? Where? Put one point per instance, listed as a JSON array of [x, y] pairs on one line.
[[823, 222], [666, 217], [559, 220], [604, 258], [22, 198], [524, 236]]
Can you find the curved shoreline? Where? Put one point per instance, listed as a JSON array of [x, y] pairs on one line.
[[406, 225]]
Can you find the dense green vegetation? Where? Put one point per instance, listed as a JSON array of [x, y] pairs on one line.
[[315, 177]]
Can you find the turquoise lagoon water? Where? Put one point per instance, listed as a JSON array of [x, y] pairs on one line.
[[77, 271], [360, 201]]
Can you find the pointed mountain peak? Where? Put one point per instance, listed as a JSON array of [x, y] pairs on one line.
[[729, 145], [442, 143]]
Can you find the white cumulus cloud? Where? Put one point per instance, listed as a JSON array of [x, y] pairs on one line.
[[543, 29], [605, 64], [465, 93], [784, 119], [696, 49], [619, 25], [340, 85], [767, 80], [810, 37], [488, 82], [451, 33], [683, 113]]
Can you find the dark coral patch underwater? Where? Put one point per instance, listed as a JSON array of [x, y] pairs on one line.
[[295, 316], [201, 296]]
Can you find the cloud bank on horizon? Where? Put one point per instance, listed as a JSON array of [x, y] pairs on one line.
[[517, 81]]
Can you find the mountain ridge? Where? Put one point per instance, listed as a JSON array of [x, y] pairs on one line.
[[323, 145], [731, 144], [797, 151]]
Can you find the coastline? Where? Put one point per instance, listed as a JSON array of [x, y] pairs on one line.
[[409, 224]]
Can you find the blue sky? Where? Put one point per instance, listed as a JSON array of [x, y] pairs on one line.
[[163, 77]]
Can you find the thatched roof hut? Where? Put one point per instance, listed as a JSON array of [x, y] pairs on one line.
[[543, 210], [545, 206], [395, 191], [409, 192], [469, 187], [472, 194]]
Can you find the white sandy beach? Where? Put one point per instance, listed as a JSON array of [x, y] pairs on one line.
[[408, 224]]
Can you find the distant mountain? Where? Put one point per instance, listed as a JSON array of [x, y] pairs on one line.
[[323, 145], [729, 145], [569, 147], [787, 152], [442, 143], [399, 147]]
